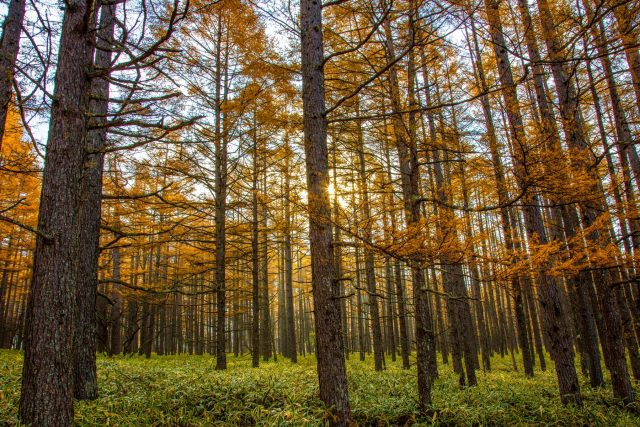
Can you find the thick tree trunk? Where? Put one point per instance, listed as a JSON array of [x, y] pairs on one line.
[[330, 353], [47, 376]]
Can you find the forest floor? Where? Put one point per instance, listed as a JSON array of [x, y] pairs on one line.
[[187, 391]]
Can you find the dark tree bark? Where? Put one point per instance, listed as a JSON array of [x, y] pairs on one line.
[[116, 309], [266, 332], [9, 47], [89, 206], [131, 331], [282, 308], [392, 332], [330, 353], [359, 307], [288, 274], [255, 259], [220, 208], [47, 376]]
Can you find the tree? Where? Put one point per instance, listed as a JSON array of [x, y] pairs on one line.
[[407, 157], [47, 377], [331, 366], [89, 207]]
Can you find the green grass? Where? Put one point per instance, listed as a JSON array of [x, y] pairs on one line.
[[187, 391]]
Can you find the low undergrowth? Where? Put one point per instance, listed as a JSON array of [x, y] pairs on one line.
[[188, 391]]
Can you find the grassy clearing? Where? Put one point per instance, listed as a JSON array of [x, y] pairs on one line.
[[187, 391]]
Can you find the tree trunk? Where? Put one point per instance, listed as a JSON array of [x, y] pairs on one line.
[[405, 345], [255, 258], [89, 210], [266, 333], [369, 268], [330, 353], [221, 207], [116, 309], [5, 288], [407, 155], [288, 274], [47, 376]]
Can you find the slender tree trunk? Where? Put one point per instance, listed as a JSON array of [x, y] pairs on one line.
[[405, 346], [282, 308], [407, 155], [266, 333], [330, 353], [378, 350], [359, 306], [5, 288], [89, 211], [335, 212], [255, 259], [221, 207], [288, 273], [116, 309], [391, 316]]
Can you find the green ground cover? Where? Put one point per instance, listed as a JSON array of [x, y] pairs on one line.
[[187, 391]]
